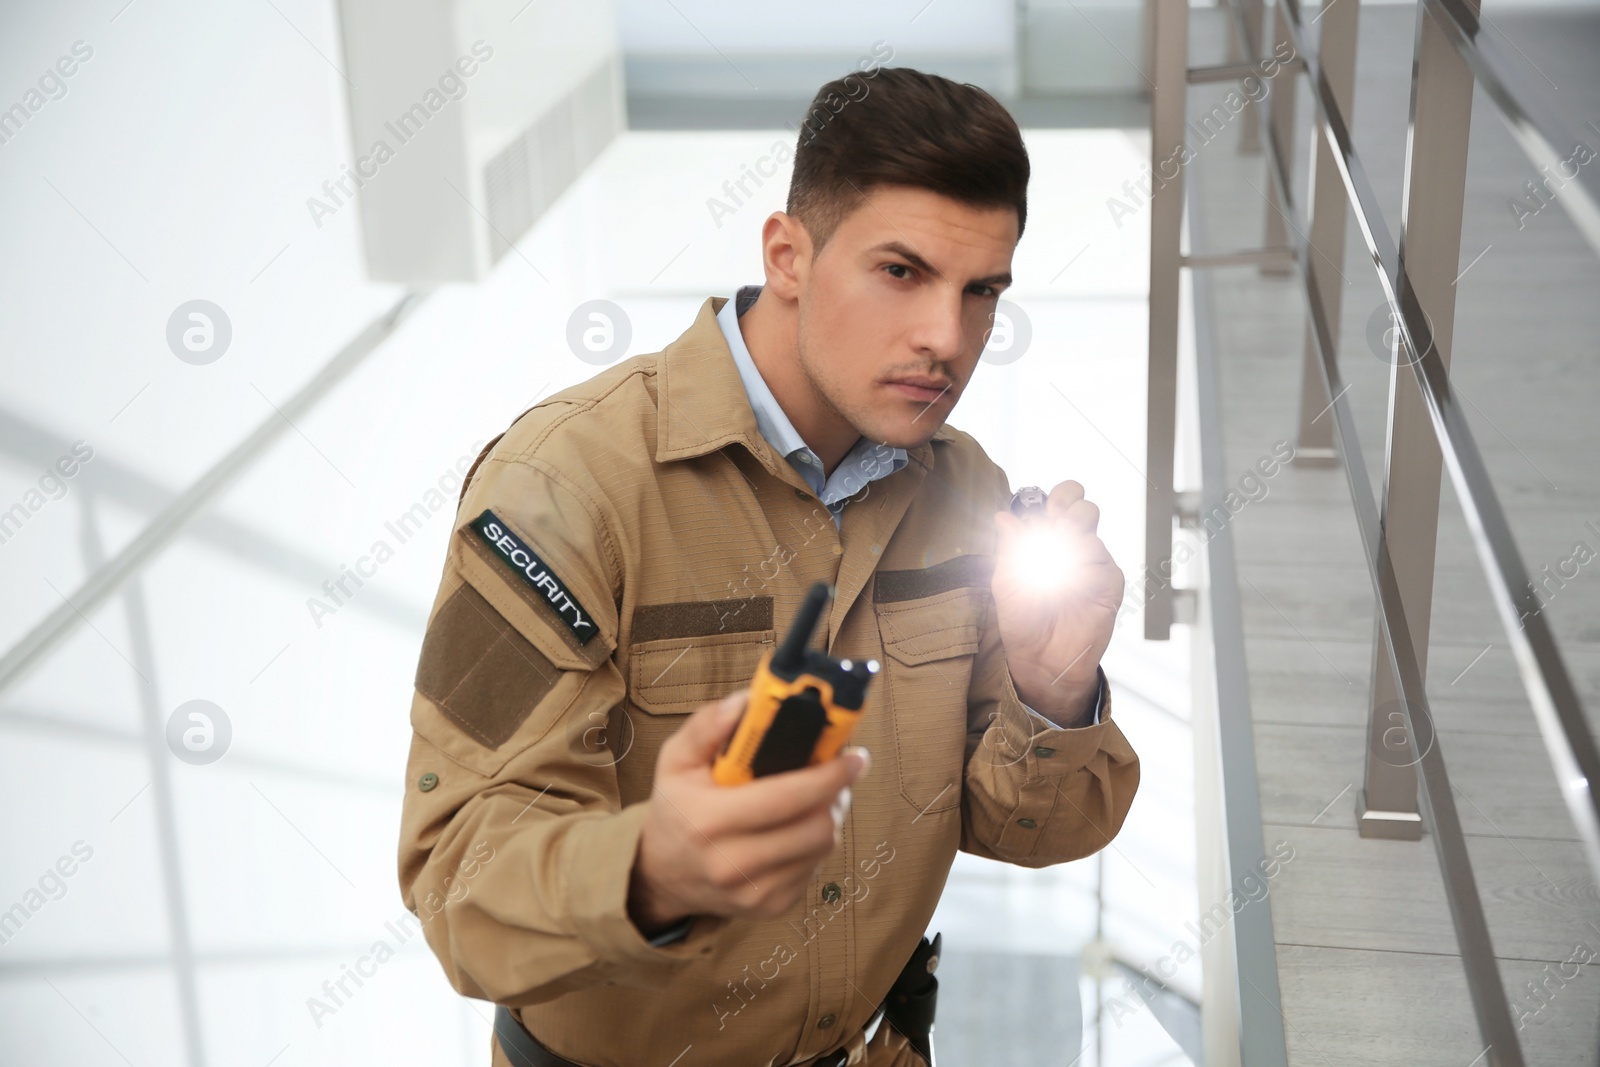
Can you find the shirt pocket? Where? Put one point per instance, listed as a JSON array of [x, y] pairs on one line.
[[679, 655], [929, 646], [675, 675]]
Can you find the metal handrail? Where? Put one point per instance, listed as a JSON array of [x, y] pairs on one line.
[[1558, 711], [153, 538], [1526, 114], [1556, 706], [1260, 1021]]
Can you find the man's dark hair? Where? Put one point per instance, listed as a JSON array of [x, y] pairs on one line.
[[898, 126]]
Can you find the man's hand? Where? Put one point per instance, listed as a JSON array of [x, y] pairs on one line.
[[747, 850], [1056, 604]]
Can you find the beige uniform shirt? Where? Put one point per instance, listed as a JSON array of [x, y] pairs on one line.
[[626, 552]]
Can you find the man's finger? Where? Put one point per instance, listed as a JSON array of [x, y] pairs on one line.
[[1083, 516], [1062, 497], [790, 876], [780, 798], [700, 738], [777, 847]]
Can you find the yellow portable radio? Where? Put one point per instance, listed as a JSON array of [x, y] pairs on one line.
[[803, 705]]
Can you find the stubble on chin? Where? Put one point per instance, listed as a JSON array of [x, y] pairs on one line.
[[870, 407]]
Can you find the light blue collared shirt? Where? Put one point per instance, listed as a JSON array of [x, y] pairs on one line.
[[866, 462]]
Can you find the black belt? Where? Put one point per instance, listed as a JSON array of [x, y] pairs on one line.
[[909, 1007], [524, 1050], [521, 1047]]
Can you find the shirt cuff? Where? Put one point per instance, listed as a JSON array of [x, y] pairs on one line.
[[597, 867], [1099, 703]]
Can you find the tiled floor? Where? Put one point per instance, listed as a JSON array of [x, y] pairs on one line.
[[1366, 950]]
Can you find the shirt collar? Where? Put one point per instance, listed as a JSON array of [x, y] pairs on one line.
[[770, 418], [703, 404]]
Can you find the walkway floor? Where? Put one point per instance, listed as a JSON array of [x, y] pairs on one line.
[[1367, 955]]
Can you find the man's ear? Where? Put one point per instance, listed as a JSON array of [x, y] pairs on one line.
[[785, 254]]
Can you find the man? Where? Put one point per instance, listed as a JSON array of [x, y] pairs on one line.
[[628, 549]]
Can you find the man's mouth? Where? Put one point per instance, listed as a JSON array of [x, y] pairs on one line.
[[926, 390]]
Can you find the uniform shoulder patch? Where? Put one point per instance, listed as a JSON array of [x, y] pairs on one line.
[[535, 572], [480, 672]]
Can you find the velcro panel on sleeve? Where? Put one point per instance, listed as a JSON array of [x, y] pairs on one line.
[[483, 675], [485, 692]]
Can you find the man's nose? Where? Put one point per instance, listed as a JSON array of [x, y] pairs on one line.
[[940, 334]]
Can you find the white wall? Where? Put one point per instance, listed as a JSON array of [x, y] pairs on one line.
[[742, 50], [176, 166], [707, 26]]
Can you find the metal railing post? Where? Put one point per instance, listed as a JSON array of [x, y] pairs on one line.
[[1280, 119], [1168, 112], [1327, 204], [1429, 251], [1247, 31]]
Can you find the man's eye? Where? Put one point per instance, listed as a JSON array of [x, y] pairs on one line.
[[893, 267], [984, 290]]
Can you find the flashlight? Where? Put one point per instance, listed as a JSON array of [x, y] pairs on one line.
[[1045, 556], [1028, 502]]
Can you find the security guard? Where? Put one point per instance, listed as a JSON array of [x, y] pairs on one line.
[[627, 550]]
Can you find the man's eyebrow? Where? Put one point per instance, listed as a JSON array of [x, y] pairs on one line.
[[900, 249]]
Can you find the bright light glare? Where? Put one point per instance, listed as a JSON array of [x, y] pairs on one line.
[[1044, 556]]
